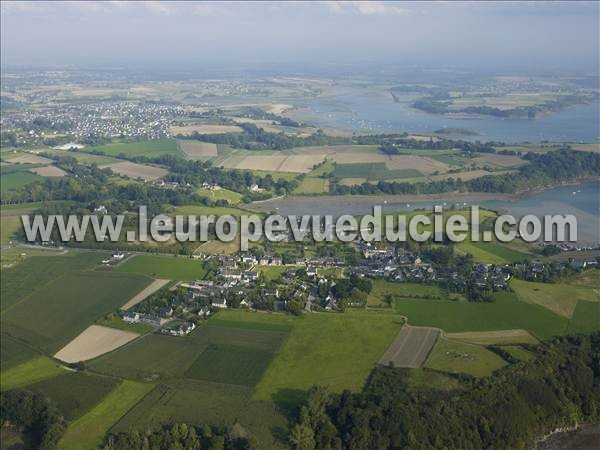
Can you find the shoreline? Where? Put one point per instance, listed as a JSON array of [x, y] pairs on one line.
[[454, 196]]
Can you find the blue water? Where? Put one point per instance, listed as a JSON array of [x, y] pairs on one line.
[[376, 112], [581, 200]]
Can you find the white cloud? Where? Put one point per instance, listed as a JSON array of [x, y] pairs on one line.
[[367, 8]]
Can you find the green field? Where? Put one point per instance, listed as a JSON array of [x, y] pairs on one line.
[[149, 149], [9, 225], [13, 352], [84, 158], [506, 313], [31, 275], [334, 350], [271, 272], [116, 322], [460, 357], [517, 352], [88, 431], [166, 267], [50, 317], [220, 194], [36, 369], [203, 402], [159, 356], [312, 185], [75, 393], [586, 318], [409, 290], [492, 252], [231, 364], [373, 171], [15, 180]]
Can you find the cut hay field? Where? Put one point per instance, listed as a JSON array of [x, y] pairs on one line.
[[560, 298], [356, 339], [500, 337], [50, 317], [135, 170], [274, 163], [148, 148], [506, 313], [211, 350], [74, 392], [88, 431], [215, 246], [197, 150], [373, 171], [94, 341], [48, 171], [460, 357], [411, 347], [164, 267]]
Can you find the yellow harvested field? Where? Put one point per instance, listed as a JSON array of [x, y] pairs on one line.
[[593, 148], [49, 171], [278, 108], [93, 342], [358, 158], [500, 160], [422, 164], [134, 170], [27, 158], [205, 129], [499, 337], [274, 163], [352, 181], [145, 293], [195, 150]]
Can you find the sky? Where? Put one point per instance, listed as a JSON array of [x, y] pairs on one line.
[[374, 34]]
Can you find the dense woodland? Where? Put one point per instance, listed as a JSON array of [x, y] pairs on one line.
[[510, 409], [183, 436], [33, 415]]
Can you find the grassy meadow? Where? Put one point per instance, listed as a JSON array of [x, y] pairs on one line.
[[166, 267], [149, 148]]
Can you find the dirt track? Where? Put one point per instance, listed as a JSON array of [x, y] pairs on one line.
[[411, 347], [144, 293]]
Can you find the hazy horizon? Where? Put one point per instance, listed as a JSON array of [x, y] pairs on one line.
[[370, 36]]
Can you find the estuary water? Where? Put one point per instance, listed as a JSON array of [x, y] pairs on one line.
[[376, 112], [582, 200]]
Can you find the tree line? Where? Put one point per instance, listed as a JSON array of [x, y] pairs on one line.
[[518, 404]]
